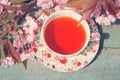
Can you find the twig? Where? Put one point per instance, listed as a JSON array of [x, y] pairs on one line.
[[13, 53], [90, 9], [9, 28]]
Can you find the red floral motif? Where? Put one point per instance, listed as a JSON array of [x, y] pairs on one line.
[[85, 63], [41, 45], [41, 60], [93, 50], [35, 32], [94, 25], [70, 69], [40, 25], [48, 55], [85, 54], [88, 21], [53, 66], [95, 35], [34, 44], [77, 63], [57, 58], [74, 63], [48, 64], [43, 54], [97, 42], [63, 61], [35, 49]]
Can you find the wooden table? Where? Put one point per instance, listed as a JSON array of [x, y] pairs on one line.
[[105, 66]]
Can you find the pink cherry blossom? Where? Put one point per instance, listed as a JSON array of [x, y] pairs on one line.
[[29, 26], [29, 37], [117, 2], [19, 12], [1, 9], [61, 1], [17, 42], [111, 18], [29, 56], [118, 15], [58, 7], [105, 19], [23, 56], [20, 31], [31, 22], [8, 61], [45, 4], [5, 2]]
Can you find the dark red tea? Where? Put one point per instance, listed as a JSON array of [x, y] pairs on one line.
[[63, 36]]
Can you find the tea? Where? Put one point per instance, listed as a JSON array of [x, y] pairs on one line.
[[63, 36]]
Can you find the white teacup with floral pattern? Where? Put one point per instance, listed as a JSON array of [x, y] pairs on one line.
[[62, 36]]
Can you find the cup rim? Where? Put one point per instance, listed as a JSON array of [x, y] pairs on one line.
[[83, 22]]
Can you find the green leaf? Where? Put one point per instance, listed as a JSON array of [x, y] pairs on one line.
[[2, 54], [16, 1]]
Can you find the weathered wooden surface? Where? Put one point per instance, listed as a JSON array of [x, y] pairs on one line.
[[105, 66]]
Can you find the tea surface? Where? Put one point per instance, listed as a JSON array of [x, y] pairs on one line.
[[63, 36]]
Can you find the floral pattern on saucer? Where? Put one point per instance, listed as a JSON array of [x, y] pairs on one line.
[[72, 63]]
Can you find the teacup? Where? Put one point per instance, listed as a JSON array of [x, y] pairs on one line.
[[62, 36]]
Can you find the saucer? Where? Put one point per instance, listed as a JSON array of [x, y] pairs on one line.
[[72, 63]]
